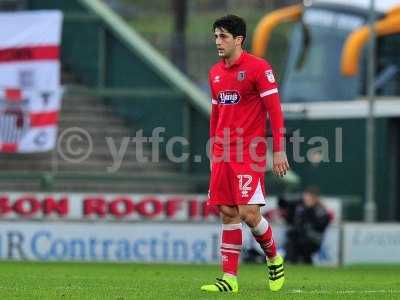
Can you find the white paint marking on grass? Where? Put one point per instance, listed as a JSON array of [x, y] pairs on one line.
[[298, 291]]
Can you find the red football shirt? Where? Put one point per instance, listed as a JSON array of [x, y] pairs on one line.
[[242, 96]]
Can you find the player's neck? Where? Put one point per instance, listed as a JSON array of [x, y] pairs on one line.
[[229, 61]]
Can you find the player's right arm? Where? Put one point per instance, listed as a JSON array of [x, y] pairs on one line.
[[213, 117]]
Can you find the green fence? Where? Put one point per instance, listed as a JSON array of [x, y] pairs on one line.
[[342, 170]]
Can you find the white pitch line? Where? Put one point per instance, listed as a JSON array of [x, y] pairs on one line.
[[345, 292]]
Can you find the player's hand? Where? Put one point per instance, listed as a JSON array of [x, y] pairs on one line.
[[280, 164]]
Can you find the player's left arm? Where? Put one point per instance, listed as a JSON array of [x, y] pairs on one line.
[[268, 90]]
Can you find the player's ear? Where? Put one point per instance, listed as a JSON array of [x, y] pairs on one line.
[[239, 40]]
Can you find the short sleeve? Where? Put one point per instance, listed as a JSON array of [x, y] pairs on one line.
[[265, 80]]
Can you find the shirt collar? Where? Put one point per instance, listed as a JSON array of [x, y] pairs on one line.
[[237, 62]]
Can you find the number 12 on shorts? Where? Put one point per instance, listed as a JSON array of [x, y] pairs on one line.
[[244, 184]]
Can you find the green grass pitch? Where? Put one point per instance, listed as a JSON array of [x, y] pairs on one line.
[[21, 280]]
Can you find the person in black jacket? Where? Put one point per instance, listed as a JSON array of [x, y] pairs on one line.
[[307, 219]]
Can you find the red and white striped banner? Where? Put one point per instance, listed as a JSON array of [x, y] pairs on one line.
[[30, 92]]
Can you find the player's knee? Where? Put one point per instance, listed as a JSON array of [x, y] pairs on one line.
[[229, 219], [229, 215], [251, 218]]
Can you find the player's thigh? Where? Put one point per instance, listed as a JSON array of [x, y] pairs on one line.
[[229, 214]]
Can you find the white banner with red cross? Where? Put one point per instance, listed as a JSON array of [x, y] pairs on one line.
[[28, 120], [30, 91]]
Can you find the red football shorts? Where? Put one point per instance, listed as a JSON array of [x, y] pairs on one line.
[[236, 183]]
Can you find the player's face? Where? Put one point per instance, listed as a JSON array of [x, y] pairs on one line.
[[309, 199], [226, 43]]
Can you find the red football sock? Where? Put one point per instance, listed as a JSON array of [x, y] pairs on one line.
[[230, 247], [263, 235]]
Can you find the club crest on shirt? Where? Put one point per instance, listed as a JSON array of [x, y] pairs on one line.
[[270, 76], [241, 75], [228, 97]]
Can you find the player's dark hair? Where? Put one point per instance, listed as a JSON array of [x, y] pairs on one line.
[[313, 190], [233, 24]]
